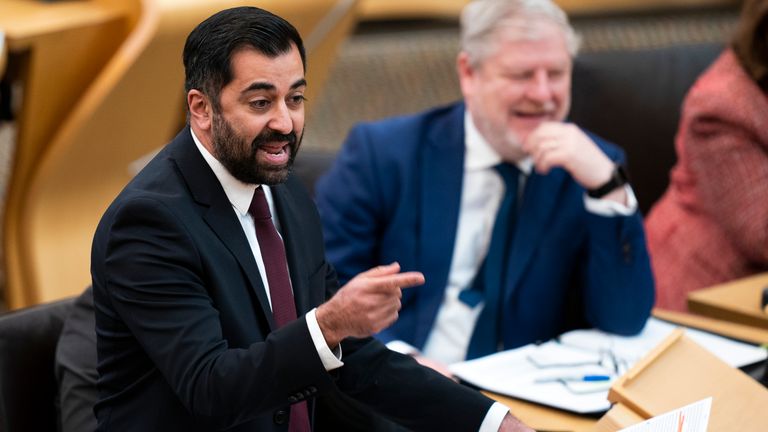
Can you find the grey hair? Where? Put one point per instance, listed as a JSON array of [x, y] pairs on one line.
[[481, 19]]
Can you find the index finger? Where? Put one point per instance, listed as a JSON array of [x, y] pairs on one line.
[[400, 280], [381, 270]]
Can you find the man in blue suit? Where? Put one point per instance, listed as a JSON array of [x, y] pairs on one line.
[[425, 190]]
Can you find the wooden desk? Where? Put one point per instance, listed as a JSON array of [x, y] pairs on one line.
[[543, 418], [55, 50], [677, 372], [737, 301], [550, 419], [722, 327]]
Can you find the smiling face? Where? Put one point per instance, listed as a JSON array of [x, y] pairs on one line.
[[255, 130], [526, 80]]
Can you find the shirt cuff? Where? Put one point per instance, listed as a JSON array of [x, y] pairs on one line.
[[403, 348], [331, 358], [604, 207], [494, 417]]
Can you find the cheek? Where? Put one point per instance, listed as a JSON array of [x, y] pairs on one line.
[[562, 90], [504, 104], [249, 127], [298, 122], [563, 98]]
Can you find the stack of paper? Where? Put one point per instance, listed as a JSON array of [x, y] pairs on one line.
[[575, 372]]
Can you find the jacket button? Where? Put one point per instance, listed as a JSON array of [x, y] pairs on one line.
[[280, 417], [626, 248]]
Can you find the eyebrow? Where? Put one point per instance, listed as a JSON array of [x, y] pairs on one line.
[[260, 85], [299, 83]]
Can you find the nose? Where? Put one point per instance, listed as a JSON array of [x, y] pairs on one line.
[[540, 87], [281, 120]]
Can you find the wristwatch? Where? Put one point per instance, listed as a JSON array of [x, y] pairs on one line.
[[618, 178]]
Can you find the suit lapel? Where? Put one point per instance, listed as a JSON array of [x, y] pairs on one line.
[[442, 162], [207, 192], [290, 230], [539, 202]]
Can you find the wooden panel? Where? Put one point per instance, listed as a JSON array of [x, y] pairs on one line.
[[737, 301], [406, 9], [132, 108], [725, 328], [55, 52], [322, 43], [3, 52], [25, 22], [575, 7], [400, 9], [679, 372], [617, 418]]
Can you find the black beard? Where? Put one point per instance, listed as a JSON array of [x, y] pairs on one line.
[[241, 160]]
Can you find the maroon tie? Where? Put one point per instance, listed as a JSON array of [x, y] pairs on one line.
[[276, 266]]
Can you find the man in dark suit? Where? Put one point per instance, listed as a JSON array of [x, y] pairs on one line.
[[207, 317], [425, 190]]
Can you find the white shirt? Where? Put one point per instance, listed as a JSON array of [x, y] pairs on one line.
[[240, 195], [481, 195]]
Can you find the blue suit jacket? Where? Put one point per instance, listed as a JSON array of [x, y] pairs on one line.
[[394, 193]]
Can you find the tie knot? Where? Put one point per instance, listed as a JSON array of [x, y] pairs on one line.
[[259, 208], [509, 173]]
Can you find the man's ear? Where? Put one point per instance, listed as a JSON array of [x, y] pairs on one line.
[[466, 73], [200, 110]]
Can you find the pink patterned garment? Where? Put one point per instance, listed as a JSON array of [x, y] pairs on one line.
[[711, 225]]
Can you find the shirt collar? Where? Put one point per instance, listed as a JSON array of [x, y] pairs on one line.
[[479, 155], [239, 194]]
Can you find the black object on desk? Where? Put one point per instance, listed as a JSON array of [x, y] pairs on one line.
[[763, 303]]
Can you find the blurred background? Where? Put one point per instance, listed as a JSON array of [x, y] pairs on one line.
[[91, 88], [402, 59]]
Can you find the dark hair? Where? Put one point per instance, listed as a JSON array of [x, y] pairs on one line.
[[751, 41], [209, 47]]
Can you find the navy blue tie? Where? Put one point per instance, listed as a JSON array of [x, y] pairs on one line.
[[489, 282]]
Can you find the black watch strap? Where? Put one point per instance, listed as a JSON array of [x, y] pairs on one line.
[[618, 178]]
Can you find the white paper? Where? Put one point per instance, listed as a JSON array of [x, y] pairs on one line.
[[584, 352], [632, 348], [512, 373], [690, 418]]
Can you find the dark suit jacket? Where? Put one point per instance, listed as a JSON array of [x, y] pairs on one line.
[[394, 193], [186, 339]]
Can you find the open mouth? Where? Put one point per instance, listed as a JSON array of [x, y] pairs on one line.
[[537, 115], [276, 153]]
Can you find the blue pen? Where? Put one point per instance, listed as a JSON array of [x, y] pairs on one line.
[[571, 378]]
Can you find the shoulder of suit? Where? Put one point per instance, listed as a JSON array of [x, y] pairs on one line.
[[410, 122]]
